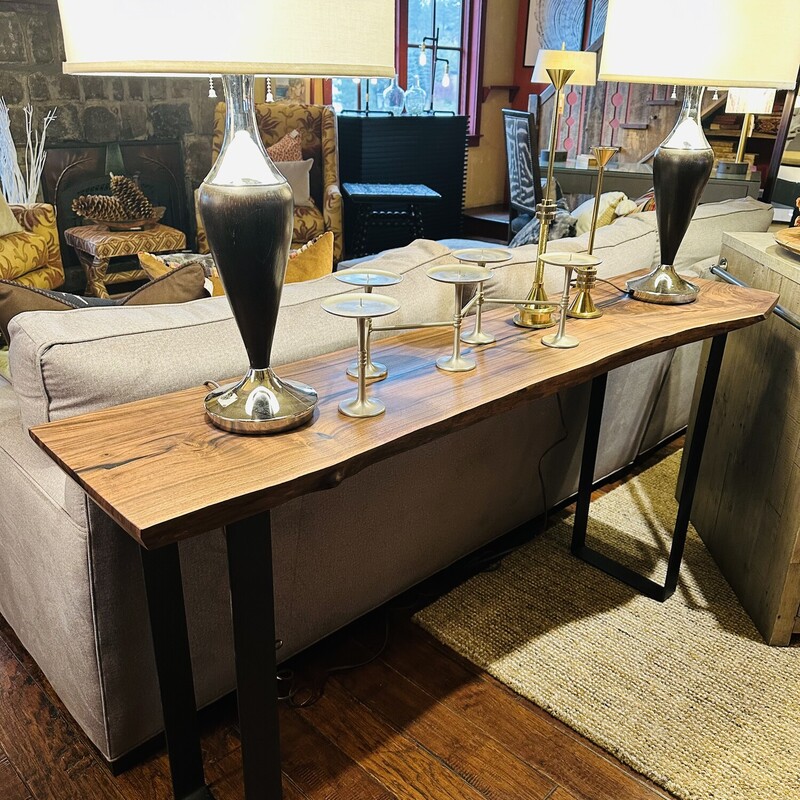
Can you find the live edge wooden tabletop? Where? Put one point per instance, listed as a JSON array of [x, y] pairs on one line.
[[164, 473]]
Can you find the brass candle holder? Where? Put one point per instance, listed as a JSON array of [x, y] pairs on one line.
[[368, 279], [583, 306], [459, 275], [480, 256], [361, 306], [569, 261]]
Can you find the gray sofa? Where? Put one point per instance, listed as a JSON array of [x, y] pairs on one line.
[[70, 580]]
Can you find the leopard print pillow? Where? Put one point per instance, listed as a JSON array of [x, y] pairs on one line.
[[287, 149]]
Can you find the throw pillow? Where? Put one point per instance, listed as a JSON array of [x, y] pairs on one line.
[[312, 260], [154, 266], [287, 149], [647, 202], [562, 227], [178, 286], [5, 370], [605, 214], [297, 173], [8, 222]]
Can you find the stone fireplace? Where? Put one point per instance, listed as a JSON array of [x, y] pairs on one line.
[[163, 114]]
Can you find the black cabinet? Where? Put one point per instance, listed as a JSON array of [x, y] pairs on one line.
[[427, 149]]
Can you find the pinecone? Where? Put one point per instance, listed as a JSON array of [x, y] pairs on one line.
[[99, 207], [131, 197]]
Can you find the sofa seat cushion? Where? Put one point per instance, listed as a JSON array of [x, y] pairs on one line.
[[308, 224], [21, 253], [703, 239], [68, 364]]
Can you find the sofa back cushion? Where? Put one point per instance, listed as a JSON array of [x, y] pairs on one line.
[[71, 362], [624, 246], [703, 239]]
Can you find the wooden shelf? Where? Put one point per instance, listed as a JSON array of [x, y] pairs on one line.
[[735, 134]]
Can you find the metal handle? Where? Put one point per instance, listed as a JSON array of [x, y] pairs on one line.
[[721, 271]]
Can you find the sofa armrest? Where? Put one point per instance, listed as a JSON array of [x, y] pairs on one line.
[[332, 213], [40, 219]]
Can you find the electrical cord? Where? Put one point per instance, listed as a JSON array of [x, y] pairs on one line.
[[491, 562], [301, 694]]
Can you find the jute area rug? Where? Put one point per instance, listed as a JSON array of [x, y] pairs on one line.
[[685, 692]]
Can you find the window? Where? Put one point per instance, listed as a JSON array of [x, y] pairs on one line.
[[436, 63], [450, 68]]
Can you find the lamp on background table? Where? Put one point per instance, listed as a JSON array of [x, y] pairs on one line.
[[747, 102], [558, 67], [245, 202], [694, 43]]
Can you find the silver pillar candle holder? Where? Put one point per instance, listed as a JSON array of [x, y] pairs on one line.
[[361, 306], [460, 276], [569, 261], [480, 256], [368, 279]]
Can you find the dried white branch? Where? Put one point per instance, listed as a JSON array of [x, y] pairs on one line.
[[16, 187]]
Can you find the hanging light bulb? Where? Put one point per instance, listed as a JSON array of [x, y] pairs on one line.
[[674, 95], [446, 76], [716, 94], [423, 56], [212, 92], [270, 98]]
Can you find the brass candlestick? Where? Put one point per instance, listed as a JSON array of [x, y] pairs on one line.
[[481, 256], [541, 316], [460, 276], [568, 261], [368, 279], [583, 306], [362, 306]]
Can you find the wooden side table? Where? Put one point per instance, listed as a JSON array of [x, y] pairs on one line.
[[96, 246], [234, 481], [404, 200], [748, 494]]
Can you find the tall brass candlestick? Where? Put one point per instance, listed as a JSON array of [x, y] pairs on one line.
[[583, 306], [541, 316]]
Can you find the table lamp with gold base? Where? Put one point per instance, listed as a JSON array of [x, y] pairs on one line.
[[559, 67], [748, 102]]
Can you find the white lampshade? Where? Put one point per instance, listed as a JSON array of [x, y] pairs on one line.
[[750, 101], [583, 64], [702, 43], [256, 37]]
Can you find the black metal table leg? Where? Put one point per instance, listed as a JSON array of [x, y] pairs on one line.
[[253, 608], [694, 455], [162, 577], [594, 418]]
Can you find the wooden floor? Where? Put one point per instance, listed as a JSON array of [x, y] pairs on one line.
[[418, 722]]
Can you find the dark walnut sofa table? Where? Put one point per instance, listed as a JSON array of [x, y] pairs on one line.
[[165, 478]]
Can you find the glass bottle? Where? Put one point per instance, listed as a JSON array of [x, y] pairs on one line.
[[415, 99], [394, 98]]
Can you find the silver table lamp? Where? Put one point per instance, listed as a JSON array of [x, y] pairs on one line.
[[245, 202], [693, 43]]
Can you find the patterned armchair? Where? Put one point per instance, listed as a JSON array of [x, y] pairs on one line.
[[33, 257], [317, 126]]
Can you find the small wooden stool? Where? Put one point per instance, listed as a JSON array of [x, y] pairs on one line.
[[96, 246], [407, 195]]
